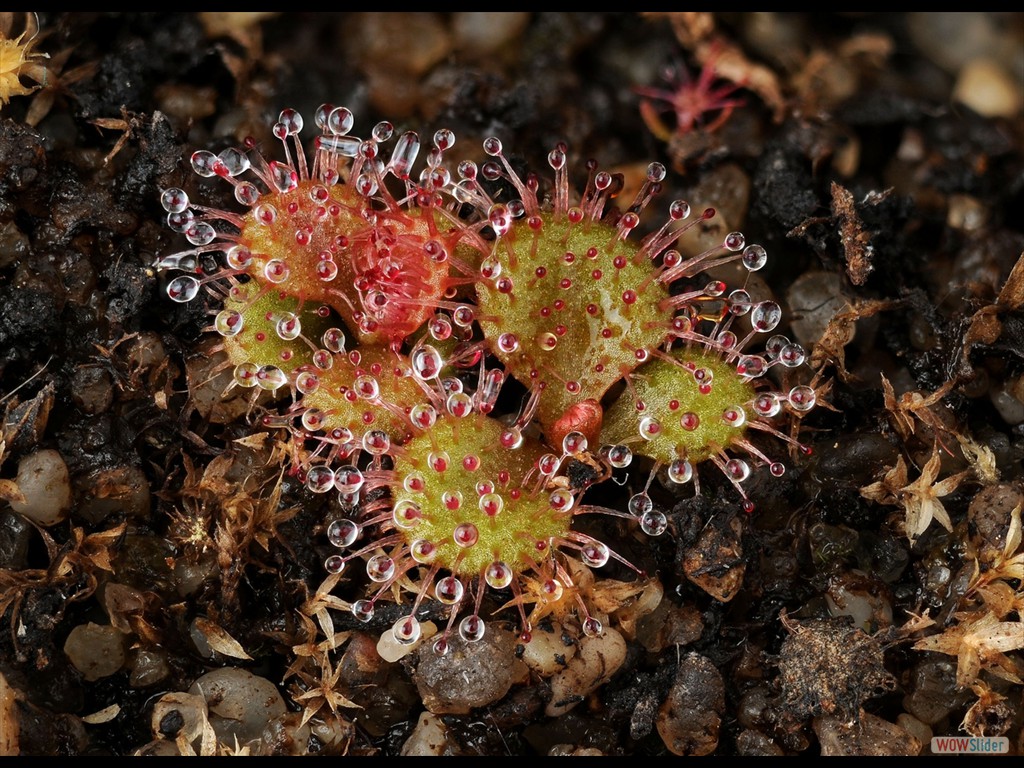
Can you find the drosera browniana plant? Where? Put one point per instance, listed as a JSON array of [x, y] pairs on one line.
[[696, 103], [693, 404], [393, 307], [265, 334], [472, 500], [568, 301], [345, 241], [571, 304]]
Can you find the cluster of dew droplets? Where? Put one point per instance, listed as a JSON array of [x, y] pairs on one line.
[[194, 221], [764, 317], [652, 521], [180, 218]]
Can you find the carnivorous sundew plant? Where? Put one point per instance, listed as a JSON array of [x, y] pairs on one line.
[[394, 299]]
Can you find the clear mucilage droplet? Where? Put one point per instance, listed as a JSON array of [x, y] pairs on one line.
[[407, 630]]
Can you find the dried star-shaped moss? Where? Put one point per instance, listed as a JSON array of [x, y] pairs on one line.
[[980, 641], [919, 498], [17, 59]]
